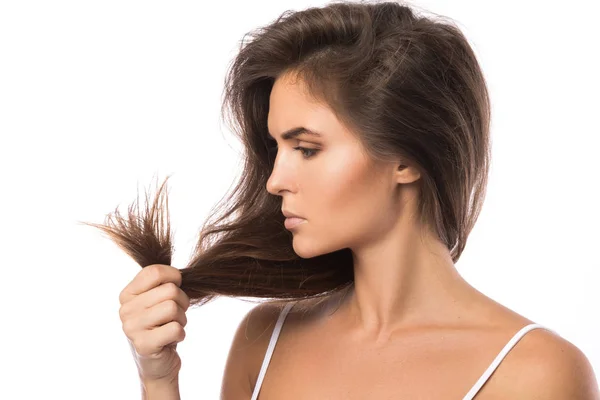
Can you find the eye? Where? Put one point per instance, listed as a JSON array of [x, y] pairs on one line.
[[304, 150], [306, 153]]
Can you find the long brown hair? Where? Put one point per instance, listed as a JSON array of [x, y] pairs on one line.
[[409, 86]]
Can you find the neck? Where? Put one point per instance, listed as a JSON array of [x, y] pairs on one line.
[[403, 285]]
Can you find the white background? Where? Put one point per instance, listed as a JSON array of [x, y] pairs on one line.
[[98, 98]]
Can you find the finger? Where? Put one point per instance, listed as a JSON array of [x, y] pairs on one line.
[[153, 341], [161, 314], [166, 291], [148, 278]]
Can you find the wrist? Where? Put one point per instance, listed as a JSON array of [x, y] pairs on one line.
[[164, 388]]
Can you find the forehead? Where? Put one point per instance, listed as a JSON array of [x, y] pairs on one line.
[[291, 107]]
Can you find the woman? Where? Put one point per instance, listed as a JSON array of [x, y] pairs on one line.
[[366, 129]]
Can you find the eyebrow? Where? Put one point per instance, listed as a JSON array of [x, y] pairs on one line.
[[292, 133]]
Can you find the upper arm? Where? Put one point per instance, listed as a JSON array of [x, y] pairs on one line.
[[568, 374], [555, 369], [249, 343]]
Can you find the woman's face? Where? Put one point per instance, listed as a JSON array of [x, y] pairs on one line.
[[346, 198]]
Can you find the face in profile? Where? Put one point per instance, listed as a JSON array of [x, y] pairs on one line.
[[346, 198]]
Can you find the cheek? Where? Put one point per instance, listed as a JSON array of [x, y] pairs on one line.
[[347, 191], [343, 198]]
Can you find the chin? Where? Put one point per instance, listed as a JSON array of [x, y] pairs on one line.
[[304, 251]]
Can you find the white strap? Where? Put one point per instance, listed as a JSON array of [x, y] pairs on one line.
[[499, 358], [469, 396], [270, 349]]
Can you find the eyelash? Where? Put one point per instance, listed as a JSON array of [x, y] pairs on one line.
[[303, 150]]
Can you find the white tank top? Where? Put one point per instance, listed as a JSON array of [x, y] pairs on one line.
[[469, 396]]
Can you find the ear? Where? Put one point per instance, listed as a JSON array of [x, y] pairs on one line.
[[406, 173]]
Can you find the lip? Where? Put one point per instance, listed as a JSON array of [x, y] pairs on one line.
[[292, 222], [289, 214]]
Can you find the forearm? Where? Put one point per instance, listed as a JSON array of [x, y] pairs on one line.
[[161, 390]]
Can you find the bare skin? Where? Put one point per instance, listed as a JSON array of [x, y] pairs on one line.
[[411, 327], [404, 275], [318, 355]]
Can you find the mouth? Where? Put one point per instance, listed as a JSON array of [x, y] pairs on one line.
[[292, 222]]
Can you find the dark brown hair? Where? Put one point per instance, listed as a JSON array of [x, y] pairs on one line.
[[409, 86]]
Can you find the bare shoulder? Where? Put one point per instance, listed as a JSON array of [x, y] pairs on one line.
[[547, 366], [247, 349], [541, 365], [250, 345]]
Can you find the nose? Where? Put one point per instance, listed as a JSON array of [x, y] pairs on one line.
[[277, 180], [273, 185]]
